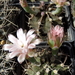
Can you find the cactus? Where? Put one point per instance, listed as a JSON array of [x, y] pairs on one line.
[[44, 20], [43, 64], [41, 18]]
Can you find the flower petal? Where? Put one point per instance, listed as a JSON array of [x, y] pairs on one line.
[[12, 39], [24, 50], [15, 48], [21, 58], [21, 35], [31, 46], [37, 41], [30, 32], [13, 54], [30, 38], [7, 47]]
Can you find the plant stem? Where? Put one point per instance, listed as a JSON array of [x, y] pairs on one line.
[[29, 10], [57, 11], [25, 6]]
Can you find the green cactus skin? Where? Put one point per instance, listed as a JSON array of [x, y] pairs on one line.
[[57, 11], [29, 10]]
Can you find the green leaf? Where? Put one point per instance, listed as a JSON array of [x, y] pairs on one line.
[[34, 23], [30, 72], [58, 42], [55, 48], [56, 19], [45, 73], [52, 73], [29, 10], [57, 11], [58, 67], [32, 60], [37, 59], [35, 68], [74, 2], [47, 25], [54, 51], [51, 43]]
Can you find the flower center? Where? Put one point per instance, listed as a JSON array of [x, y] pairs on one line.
[[22, 45]]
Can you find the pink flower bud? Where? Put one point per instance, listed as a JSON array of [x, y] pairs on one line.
[[60, 2], [42, 13], [56, 34]]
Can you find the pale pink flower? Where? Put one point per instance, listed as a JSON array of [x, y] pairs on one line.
[[60, 2], [56, 34], [21, 45]]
